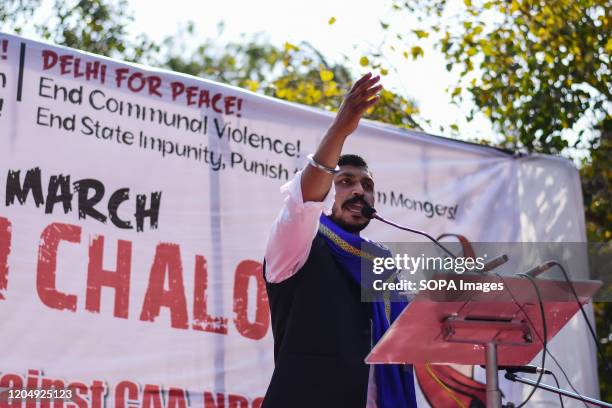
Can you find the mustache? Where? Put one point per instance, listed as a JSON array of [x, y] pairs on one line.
[[355, 200]]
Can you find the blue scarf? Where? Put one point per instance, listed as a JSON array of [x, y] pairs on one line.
[[394, 383]]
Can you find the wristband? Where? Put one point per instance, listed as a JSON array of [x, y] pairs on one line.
[[319, 166]]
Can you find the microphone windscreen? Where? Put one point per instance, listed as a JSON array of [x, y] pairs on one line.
[[368, 211]]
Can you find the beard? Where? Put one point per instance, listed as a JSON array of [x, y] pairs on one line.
[[351, 227]]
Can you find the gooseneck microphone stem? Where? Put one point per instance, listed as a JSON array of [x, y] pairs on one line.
[[370, 212]]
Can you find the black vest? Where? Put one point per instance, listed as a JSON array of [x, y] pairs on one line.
[[321, 337]]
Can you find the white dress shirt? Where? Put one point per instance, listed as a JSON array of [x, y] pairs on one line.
[[291, 238]]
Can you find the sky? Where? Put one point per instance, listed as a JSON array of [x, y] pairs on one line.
[[357, 27]]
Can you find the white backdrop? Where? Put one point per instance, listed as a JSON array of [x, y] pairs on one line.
[[174, 313]]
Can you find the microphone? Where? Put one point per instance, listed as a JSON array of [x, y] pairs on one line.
[[527, 369], [540, 269], [371, 213], [494, 263]]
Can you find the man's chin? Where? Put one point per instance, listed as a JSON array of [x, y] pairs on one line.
[[351, 226]]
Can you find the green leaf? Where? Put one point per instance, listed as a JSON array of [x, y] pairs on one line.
[[326, 75], [252, 85], [608, 46], [421, 33], [416, 52], [290, 47]]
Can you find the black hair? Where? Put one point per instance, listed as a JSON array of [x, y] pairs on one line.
[[352, 160]]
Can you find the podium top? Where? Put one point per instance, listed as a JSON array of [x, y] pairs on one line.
[[453, 327]]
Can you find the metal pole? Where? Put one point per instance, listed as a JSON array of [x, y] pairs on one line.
[[493, 392]]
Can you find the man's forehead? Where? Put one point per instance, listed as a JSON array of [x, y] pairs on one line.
[[354, 171]]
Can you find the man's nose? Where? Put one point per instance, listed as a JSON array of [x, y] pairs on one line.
[[358, 190]]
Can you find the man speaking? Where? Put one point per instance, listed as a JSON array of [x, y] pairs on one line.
[[322, 330]]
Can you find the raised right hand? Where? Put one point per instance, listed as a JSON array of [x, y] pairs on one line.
[[362, 96]]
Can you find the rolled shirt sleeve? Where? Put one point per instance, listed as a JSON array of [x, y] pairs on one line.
[[293, 230]]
